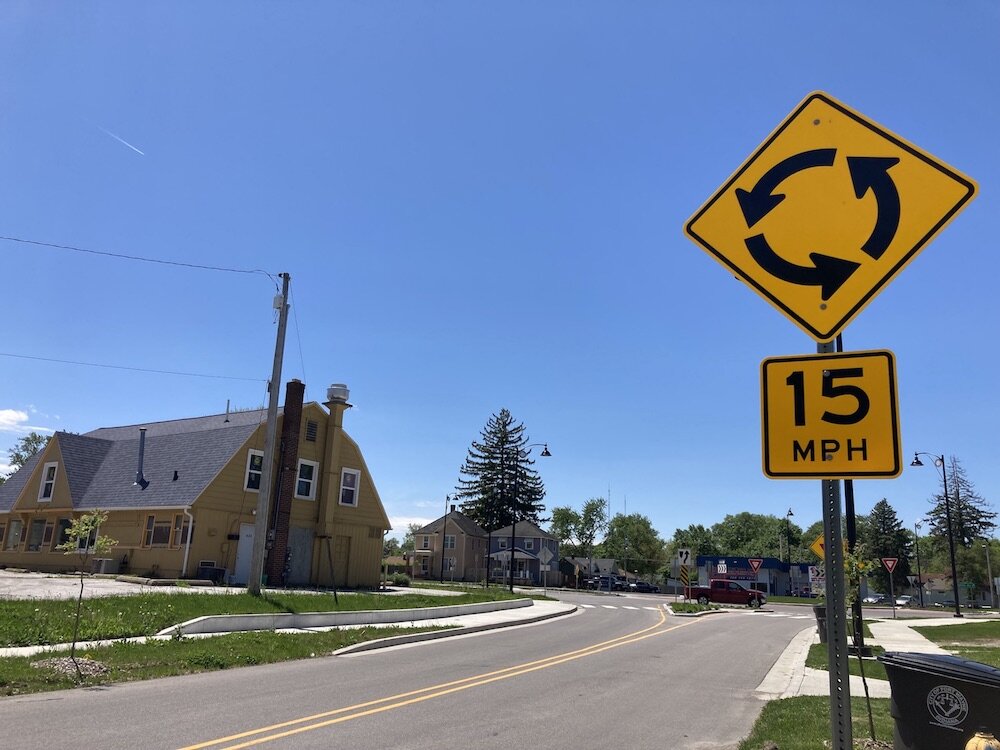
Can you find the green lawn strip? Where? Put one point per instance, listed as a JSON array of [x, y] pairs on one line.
[[33, 622], [817, 659], [127, 662], [803, 723], [978, 641]]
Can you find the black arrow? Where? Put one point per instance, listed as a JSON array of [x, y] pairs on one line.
[[757, 203], [827, 273], [872, 173]]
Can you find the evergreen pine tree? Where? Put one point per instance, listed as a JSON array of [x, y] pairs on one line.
[[883, 535], [496, 469], [971, 518]]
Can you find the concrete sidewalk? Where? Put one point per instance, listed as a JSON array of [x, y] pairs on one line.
[[790, 676]]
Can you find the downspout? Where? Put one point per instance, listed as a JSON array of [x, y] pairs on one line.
[[187, 546]]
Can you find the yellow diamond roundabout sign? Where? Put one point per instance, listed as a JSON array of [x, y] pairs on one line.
[[826, 212]]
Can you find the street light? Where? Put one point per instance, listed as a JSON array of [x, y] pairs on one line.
[[989, 572], [916, 546], [513, 504], [788, 535], [939, 462]]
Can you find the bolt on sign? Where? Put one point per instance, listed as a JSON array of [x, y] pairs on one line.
[[830, 416], [826, 212]]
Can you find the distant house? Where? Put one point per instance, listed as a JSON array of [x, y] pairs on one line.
[[181, 498], [456, 540], [576, 569], [535, 555]]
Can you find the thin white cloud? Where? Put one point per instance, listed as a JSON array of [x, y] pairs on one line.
[[121, 140], [15, 420]]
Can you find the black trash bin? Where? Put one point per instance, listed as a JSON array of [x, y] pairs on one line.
[[819, 610], [939, 701]]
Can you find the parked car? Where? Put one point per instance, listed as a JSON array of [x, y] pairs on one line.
[[723, 591], [874, 599], [903, 601], [643, 587]]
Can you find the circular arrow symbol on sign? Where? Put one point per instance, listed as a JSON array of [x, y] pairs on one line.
[[868, 173]]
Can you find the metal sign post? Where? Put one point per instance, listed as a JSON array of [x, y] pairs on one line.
[[836, 612]]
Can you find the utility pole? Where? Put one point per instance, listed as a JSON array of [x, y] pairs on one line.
[[264, 491]]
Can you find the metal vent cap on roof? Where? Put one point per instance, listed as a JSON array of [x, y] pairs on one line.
[[338, 392]]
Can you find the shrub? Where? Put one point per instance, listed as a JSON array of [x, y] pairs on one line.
[[400, 579]]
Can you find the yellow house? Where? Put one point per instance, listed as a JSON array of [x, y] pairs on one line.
[[181, 498]]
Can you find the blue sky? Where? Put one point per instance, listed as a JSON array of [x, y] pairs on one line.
[[481, 207]]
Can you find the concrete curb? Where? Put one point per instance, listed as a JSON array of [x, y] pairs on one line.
[[398, 640], [305, 620]]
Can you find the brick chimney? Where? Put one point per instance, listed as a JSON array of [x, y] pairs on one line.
[[287, 478]]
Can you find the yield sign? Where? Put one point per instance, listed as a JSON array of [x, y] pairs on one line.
[[826, 212], [755, 563], [890, 563]]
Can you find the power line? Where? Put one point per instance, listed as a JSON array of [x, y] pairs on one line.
[[133, 369], [136, 257]]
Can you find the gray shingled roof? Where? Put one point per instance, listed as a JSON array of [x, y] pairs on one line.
[[101, 465], [197, 457], [455, 519], [184, 426], [10, 489], [524, 529]]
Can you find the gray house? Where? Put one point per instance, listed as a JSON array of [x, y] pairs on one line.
[[535, 555]]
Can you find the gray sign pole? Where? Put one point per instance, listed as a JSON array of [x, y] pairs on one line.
[[836, 611]]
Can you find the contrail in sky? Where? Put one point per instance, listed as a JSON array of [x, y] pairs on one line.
[[121, 140]]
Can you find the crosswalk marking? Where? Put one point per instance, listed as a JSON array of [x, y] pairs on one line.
[[609, 606], [587, 606], [652, 609], [625, 606]]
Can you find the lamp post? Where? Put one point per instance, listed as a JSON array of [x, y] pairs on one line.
[[788, 536], [513, 504], [939, 462], [989, 572], [916, 546], [444, 533]]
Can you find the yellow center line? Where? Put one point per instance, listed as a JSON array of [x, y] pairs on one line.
[[400, 700]]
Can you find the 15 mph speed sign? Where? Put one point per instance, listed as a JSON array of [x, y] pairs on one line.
[[830, 416]]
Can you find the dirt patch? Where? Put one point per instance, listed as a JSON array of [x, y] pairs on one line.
[[64, 665]]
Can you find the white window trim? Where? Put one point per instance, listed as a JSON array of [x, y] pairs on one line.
[[246, 474], [356, 488], [453, 539], [529, 543], [312, 482], [425, 541], [41, 486]]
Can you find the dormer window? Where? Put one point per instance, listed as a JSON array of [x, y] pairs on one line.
[[48, 485]]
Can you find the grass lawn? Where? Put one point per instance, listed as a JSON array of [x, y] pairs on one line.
[[803, 723], [817, 659], [979, 641], [34, 622], [124, 662]]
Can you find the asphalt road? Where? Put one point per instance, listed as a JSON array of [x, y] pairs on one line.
[[620, 673]]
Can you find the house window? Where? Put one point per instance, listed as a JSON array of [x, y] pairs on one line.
[[2, 527], [47, 536], [305, 485], [449, 563], [449, 541], [48, 484], [84, 545], [255, 467], [349, 479], [503, 544], [182, 530], [529, 543], [35, 533], [63, 535], [157, 533], [14, 535], [425, 542], [311, 429]]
